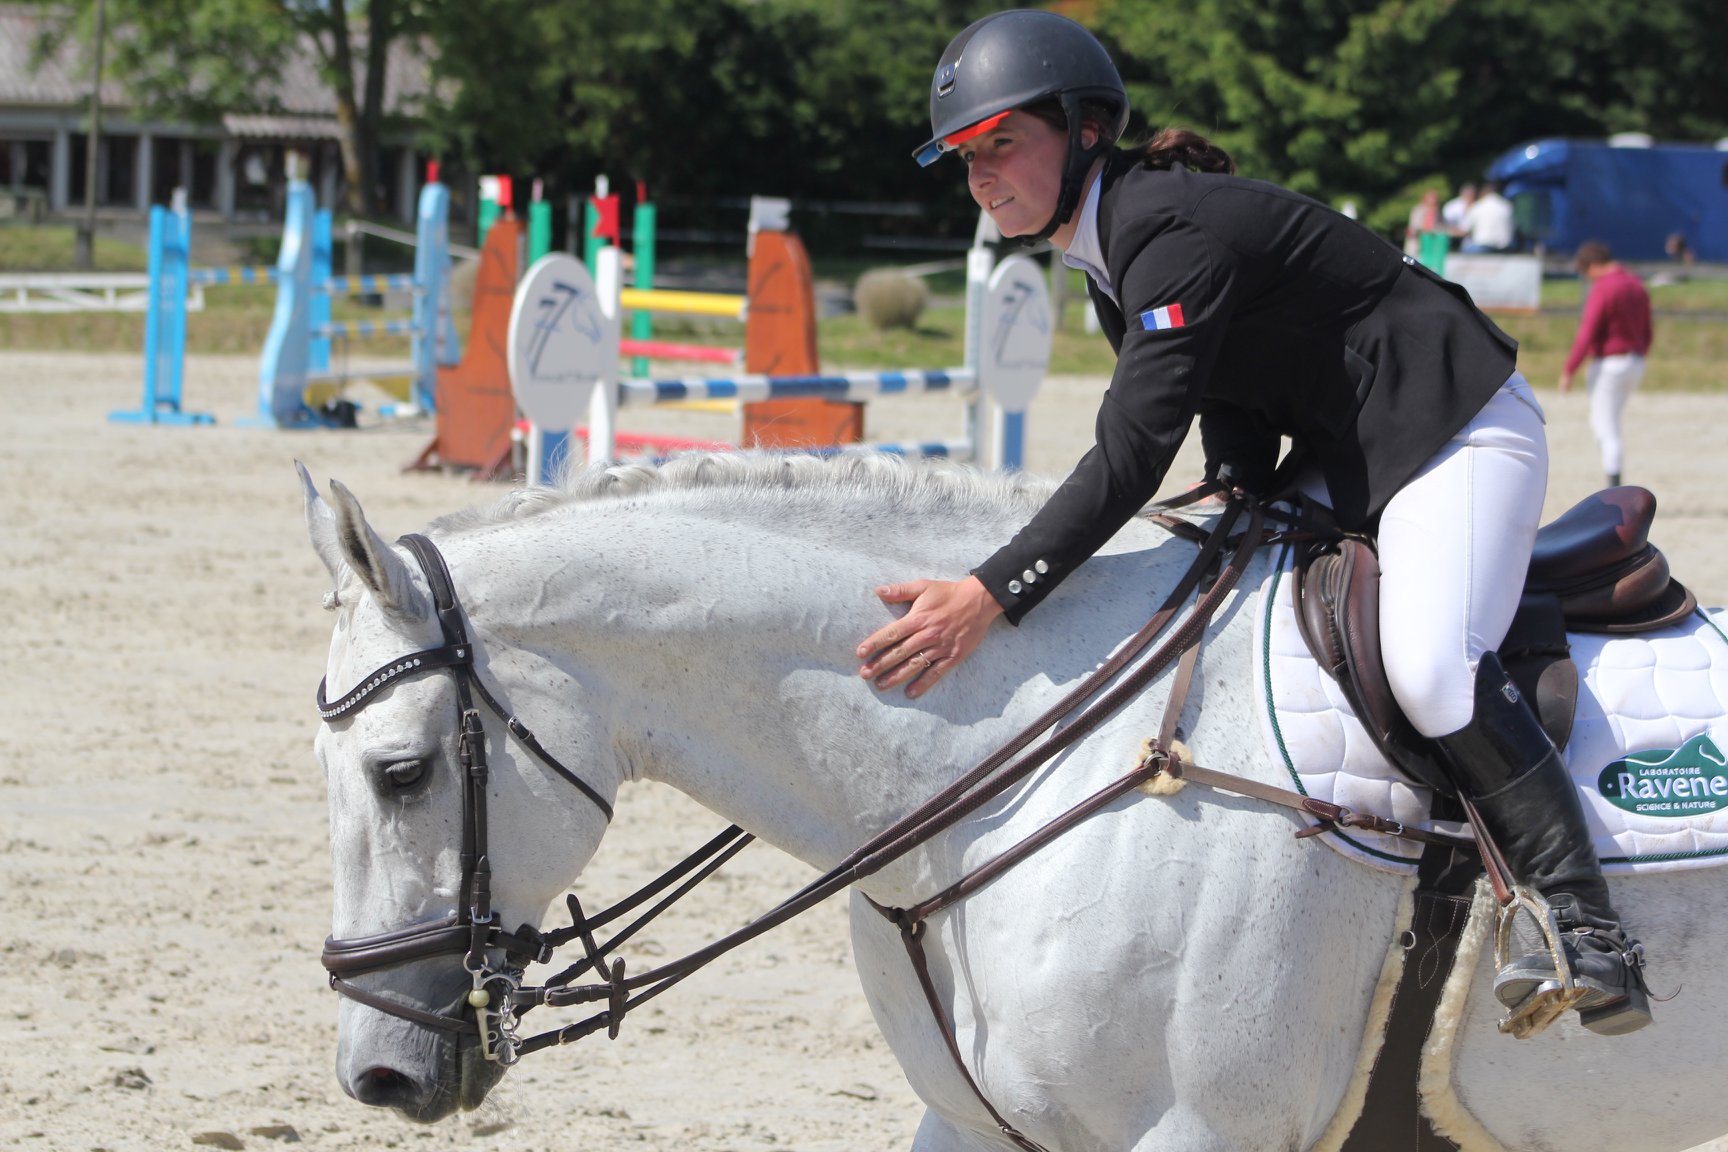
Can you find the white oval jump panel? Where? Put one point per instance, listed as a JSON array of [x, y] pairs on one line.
[[1014, 338], [562, 344]]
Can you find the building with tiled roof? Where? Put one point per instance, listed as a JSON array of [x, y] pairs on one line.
[[235, 169]]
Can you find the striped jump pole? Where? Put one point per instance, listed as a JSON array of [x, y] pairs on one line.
[[835, 386], [234, 274], [564, 355]]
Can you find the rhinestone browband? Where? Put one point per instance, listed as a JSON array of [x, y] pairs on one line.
[[410, 665]]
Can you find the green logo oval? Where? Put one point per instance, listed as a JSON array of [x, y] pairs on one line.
[[1685, 781]]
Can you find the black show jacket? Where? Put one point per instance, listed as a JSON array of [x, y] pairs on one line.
[[1295, 321]]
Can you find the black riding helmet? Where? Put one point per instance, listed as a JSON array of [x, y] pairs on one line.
[[1012, 59]]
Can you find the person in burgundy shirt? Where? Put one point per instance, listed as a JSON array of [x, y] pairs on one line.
[[1615, 336]]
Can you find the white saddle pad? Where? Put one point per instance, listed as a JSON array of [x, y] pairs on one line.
[[1647, 748]]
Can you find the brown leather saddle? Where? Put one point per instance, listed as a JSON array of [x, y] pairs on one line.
[[1592, 570]]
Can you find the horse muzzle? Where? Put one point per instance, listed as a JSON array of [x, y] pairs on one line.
[[386, 1060]]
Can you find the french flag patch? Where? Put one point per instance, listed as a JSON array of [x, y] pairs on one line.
[[1169, 316]]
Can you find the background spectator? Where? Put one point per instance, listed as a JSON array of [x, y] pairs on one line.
[[1488, 222], [1615, 335], [1424, 218], [1454, 212]]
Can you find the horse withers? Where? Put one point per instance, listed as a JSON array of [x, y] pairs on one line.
[[1175, 972]]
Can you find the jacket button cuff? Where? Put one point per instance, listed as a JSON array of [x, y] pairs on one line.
[[1016, 587]]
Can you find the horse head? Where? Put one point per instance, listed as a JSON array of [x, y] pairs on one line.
[[423, 941]]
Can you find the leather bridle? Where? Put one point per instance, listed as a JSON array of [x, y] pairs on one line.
[[474, 928]]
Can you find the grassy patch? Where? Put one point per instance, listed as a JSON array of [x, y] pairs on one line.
[[51, 248], [1691, 352], [234, 321]]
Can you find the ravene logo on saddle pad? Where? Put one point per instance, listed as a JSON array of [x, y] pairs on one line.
[[1672, 782], [1645, 750]]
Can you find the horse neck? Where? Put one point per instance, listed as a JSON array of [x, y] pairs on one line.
[[718, 656]]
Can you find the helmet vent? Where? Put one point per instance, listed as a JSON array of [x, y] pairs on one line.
[[944, 80]]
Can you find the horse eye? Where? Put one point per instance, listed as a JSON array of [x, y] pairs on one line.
[[405, 773]]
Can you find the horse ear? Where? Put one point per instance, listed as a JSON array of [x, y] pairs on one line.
[[320, 525], [372, 561]]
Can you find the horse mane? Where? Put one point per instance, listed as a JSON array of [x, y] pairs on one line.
[[860, 478]]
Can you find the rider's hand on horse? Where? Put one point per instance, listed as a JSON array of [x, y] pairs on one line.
[[946, 623]]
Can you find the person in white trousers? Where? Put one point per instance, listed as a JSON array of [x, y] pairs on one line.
[[1615, 334]]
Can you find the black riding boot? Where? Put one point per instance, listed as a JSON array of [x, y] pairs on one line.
[[1520, 786]]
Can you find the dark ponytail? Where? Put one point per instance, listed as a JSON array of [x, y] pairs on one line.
[[1170, 146], [1180, 146]]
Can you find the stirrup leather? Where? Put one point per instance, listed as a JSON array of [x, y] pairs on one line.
[[1552, 999]]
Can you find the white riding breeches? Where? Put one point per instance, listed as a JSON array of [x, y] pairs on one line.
[[1454, 550], [1612, 380]]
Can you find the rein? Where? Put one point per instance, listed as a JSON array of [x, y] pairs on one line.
[[500, 999]]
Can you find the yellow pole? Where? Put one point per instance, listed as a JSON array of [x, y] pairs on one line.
[[688, 303]]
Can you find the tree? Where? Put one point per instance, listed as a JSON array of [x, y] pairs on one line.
[[1330, 97], [809, 98], [199, 59], [330, 28], [1371, 99]]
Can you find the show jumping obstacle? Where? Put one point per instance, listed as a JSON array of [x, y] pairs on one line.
[[292, 359], [477, 418], [805, 422], [565, 349], [477, 424], [601, 216], [301, 335]]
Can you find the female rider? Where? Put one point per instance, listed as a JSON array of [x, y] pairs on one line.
[[1268, 314]]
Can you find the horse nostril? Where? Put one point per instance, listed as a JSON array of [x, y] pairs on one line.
[[386, 1088]]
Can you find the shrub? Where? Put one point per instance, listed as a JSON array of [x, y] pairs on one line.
[[889, 298]]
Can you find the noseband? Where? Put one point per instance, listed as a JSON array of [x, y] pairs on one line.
[[473, 929]]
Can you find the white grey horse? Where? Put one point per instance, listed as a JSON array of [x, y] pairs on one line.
[[1176, 973]]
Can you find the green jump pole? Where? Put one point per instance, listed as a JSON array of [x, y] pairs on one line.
[[488, 216], [539, 229], [642, 244], [553, 444]]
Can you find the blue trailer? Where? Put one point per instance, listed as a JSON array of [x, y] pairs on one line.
[[1631, 197]]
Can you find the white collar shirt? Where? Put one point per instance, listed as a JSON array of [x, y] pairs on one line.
[[1085, 252]]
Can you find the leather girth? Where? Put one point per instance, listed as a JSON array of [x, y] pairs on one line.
[[1393, 1118]]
